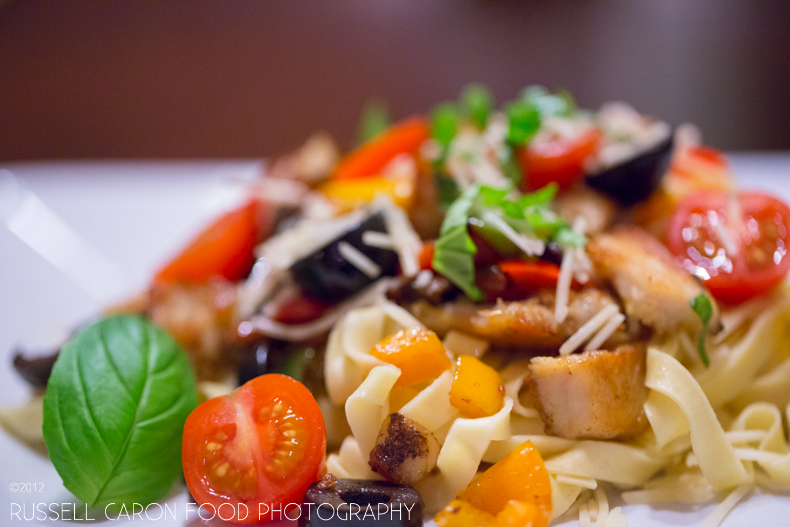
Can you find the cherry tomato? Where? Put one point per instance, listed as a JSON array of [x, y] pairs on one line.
[[561, 161], [736, 243], [256, 449], [224, 249]]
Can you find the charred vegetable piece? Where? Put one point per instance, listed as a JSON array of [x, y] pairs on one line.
[[634, 179], [477, 389], [362, 503], [405, 450], [35, 371], [327, 274], [417, 352]]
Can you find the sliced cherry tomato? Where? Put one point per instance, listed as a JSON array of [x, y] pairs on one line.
[[224, 249], [736, 243], [426, 255], [371, 157], [256, 449], [561, 161]]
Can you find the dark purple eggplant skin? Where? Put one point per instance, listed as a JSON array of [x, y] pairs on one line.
[[35, 371], [325, 275], [635, 179]]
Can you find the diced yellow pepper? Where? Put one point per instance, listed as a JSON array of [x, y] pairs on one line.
[[515, 492], [350, 194], [477, 389], [417, 352]]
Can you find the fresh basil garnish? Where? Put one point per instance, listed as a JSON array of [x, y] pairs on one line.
[[114, 412], [702, 307]]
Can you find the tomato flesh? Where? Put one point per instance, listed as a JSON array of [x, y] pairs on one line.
[[559, 161], [736, 244], [256, 449]]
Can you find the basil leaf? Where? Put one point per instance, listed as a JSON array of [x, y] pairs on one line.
[[375, 120], [567, 237], [561, 104], [509, 166], [523, 122], [444, 124], [542, 196], [702, 307], [454, 252], [447, 188], [477, 102], [114, 412]]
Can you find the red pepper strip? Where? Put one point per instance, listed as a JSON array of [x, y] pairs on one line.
[[532, 276], [371, 157], [224, 249]]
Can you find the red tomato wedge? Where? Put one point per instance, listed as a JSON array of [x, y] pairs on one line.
[[561, 161], [371, 157], [256, 449], [737, 243], [224, 249]]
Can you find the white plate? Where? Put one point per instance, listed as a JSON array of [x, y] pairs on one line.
[[137, 214]]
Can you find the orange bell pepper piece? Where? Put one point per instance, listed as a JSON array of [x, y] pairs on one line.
[[516, 491], [417, 352], [477, 389], [371, 157]]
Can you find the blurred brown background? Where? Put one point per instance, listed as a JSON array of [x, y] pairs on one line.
[[187, 78]]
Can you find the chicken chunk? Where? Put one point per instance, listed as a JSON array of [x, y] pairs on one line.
[[523, 323], [405, 450], [592, 395], [655, 289], [595, 209]]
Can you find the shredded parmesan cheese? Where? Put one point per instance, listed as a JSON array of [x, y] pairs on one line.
[[588, 329], [358, 259], [606, 331], [563, 287], [377, 239], [530, 246], [721, 511]]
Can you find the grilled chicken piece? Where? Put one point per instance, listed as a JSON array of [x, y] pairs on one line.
[[655, 289], [525, 323], [405, 450], [597, 210], [592, 395]]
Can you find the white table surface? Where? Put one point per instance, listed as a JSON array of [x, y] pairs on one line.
[[138, 213]]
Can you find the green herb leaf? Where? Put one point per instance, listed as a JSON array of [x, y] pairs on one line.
[[523, 122], [541, 196], [702, 307], [375, 119], [114, 412], [477, 102], [444, 123], [448, 190], [454, 252], [568, 237], [509, 166]]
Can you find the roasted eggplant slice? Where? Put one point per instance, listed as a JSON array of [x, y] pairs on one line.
[[346, 265], [636, 178], [360, 502], [35, 371]]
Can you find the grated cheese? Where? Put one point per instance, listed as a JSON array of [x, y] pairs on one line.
[[358, 259], [562, 295], [530, 246], [377, 239], [721, 511], [588, 329], [605, 332]]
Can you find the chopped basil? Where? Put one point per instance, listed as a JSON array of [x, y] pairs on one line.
[[454, 253], [444, 124], [477, 102], [375, 119], [114, 412], [528, 215], [523, 122], [702, 307]]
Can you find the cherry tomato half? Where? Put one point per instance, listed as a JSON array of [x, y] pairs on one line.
[[256, 449], [736, 243], [561, 160]]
